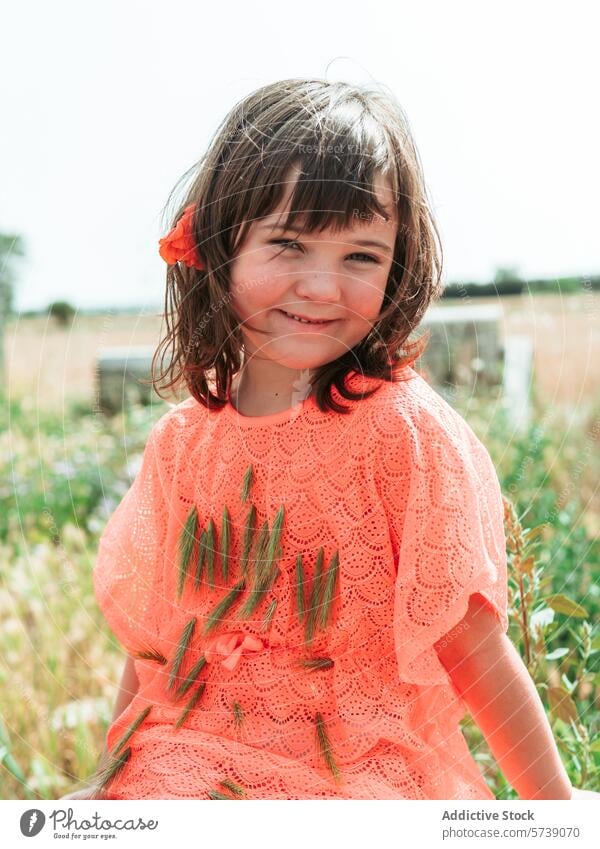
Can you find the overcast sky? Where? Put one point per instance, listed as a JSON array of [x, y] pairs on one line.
[[106, 104]]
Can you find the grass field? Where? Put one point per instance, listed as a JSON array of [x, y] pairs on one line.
[[63, 470]]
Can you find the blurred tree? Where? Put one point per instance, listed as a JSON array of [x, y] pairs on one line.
[[62, 311], [509, 274], [11, 247]]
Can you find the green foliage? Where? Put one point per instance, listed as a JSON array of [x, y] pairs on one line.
[[507, 281], [548, 479], [60, 469], [62, 475]]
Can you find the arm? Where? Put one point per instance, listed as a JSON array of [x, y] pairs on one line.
[[128, 687], [493, 681]]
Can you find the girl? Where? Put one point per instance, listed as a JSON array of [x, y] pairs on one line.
[[308, 573]]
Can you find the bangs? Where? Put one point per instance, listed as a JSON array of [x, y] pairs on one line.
[[337, 160], [322, 198]]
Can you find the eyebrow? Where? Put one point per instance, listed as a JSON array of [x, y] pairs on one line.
[[365, 243]]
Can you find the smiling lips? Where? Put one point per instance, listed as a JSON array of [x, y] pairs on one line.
[[304, 320]]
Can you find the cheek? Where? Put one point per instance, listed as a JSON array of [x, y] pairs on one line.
[[365, 301], [245, 284], [253, 295]]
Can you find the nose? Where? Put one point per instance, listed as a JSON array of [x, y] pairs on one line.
[[319, 284]]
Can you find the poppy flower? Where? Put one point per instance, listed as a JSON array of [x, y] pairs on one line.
[[179, 245]]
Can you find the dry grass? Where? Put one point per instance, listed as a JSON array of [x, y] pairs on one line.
[[49, 363], [566, 335]]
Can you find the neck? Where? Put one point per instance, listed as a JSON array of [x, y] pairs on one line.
[[262, 389]]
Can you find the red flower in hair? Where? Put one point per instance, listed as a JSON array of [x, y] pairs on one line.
[[179, 244]]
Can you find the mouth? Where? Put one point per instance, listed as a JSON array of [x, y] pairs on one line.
[[293, 319]]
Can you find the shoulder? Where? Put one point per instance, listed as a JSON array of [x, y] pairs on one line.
[[177, 427], [407, 408], [411, 418]]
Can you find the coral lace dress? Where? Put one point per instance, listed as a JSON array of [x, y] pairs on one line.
[[280, 582]]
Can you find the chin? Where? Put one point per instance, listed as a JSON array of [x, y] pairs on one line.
[[299, 361], [298, 364]]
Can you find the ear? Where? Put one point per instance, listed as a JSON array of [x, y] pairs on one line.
[[479, 628]]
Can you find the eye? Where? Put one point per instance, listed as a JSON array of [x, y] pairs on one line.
[[367, 257], [288, 243]]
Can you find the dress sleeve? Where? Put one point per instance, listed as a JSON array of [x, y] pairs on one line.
[[452, 542], [127, 570]]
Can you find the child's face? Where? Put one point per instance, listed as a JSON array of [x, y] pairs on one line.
[[321, 275]]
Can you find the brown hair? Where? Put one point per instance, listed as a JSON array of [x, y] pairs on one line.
[[340, 135]]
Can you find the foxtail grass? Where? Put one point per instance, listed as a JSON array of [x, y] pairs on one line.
[[190, 678], [132, 728], [216, 616], [238, 715], [313, 604], [316, 663], [210, 552], [186, 547], [268, 617], [329, 584], [260, 572], [247, 483], [325, 749], [190, 705], [114, 768], [184, 641], [151, 654], [225, 542], [233, 787], [201, 560]]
